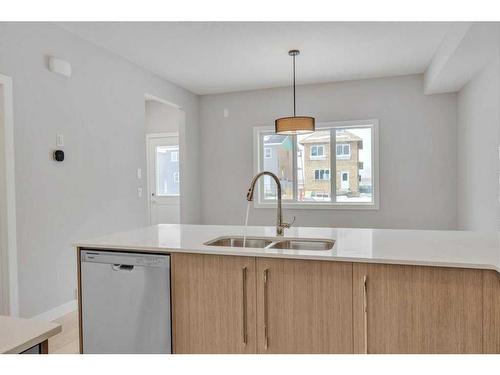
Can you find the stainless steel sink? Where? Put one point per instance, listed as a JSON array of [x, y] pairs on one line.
[[238, 241], [303, 244], [273, 243]]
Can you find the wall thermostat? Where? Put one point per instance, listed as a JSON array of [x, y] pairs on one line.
[[58, 155]]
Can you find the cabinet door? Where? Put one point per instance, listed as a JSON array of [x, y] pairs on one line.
[[413, 309], [213, 304], [491, 312], [304, 306]]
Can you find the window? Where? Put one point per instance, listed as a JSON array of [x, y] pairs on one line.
[[317, 151], [166, 170], [281, 165], [343, 151], [322, 174], [334, 167], [268, 152]]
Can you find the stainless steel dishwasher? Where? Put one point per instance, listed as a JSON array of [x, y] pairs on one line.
[[125, 302]]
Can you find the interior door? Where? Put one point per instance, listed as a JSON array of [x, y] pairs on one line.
[[304, 306], [164, 179]]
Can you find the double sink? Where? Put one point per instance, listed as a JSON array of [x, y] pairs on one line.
[[273, 243]]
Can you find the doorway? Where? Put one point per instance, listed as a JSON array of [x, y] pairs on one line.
[[163, 178], [164, 161]]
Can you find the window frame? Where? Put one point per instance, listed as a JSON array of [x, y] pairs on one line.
[[258, 202], [270, 152], [326, 171], [343, 155], [176, 153], [317, 157]]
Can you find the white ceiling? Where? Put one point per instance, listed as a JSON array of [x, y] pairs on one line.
[[215, 57]]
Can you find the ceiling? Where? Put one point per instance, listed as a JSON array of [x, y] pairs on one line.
[[216, 57]]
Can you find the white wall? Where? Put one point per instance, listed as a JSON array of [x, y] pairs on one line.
[[161, 118], [417, 151], [3, 212], [100, 111], [478, 153]]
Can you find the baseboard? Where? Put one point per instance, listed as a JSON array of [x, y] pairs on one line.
[[58, 311]]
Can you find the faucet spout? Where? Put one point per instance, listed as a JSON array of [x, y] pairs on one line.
[[280, 225]]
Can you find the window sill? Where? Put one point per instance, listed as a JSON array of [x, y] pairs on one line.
[[319, 206], [318, 157]]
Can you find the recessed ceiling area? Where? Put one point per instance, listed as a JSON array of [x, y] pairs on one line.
[[216, 57]]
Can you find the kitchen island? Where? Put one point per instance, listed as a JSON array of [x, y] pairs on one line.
[[374, 291]]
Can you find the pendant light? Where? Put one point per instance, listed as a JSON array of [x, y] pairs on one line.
[[295, 124]]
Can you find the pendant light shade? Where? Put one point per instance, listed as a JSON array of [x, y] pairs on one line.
[[294, 124]]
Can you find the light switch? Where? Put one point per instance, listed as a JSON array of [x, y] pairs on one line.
[[139, 173], [226, 112], [139, 192], [59, 140]]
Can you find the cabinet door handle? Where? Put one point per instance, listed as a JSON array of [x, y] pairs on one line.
[[365, 311], [266, 337], [244, 303]]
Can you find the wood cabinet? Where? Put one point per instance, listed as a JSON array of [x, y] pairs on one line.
[[491, 312], [304, 306], [213, 304], [413, 309], [230, 304]]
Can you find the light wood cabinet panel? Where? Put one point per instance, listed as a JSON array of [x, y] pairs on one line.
[[213, 304], [491, 312], [413, 309], [304, 306]]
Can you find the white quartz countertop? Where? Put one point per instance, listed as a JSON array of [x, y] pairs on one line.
[[18, 335], [462, 249]]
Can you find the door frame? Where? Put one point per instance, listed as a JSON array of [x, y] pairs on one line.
[[8, 246], [149, 137]]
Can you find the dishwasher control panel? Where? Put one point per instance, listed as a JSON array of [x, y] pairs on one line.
[[132, 259]]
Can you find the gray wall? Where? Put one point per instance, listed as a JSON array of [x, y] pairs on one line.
[[100, 111], [417, 151], [478, 153], [161, 118]]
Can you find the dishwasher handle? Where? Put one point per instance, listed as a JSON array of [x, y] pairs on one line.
[[122, 267]]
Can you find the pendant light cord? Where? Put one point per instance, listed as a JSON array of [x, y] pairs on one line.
[[294, 86]]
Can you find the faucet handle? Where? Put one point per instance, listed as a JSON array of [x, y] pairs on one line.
[[288, 225]]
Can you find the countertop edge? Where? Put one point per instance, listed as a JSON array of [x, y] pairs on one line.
[[224, 251], [35, 340]]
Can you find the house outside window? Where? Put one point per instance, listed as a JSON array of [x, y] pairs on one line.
[[306, 163], [166, 167]]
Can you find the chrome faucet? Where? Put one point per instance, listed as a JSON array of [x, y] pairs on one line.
[[280, 225]]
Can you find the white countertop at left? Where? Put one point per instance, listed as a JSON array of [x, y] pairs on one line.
[[18, 334], [464, 249]]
